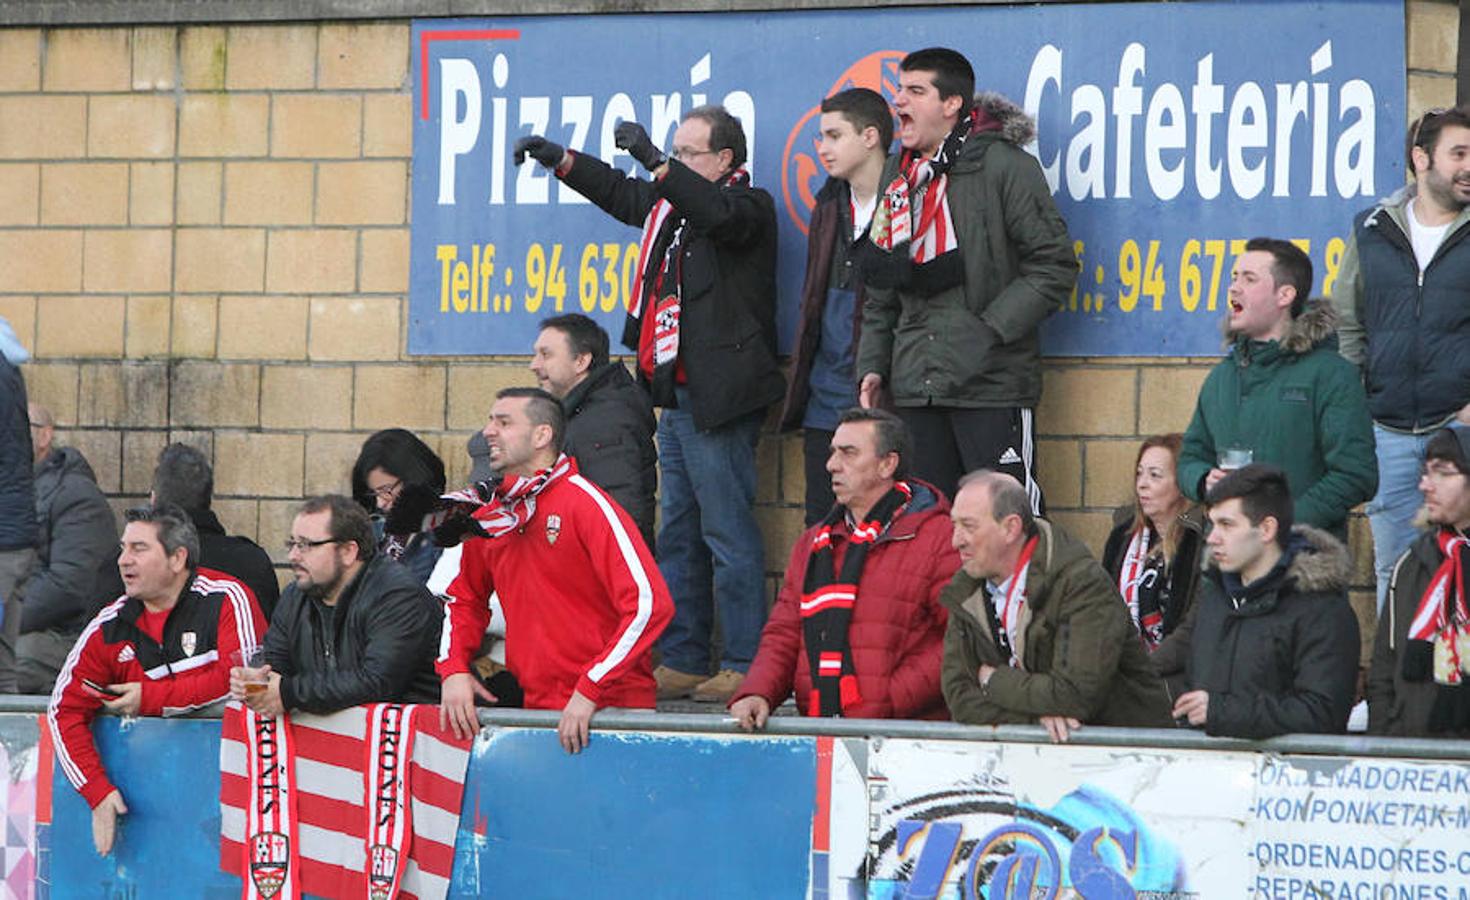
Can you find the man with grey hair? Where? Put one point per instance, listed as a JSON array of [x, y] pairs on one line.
[[163, 648], [1037, 631], [76, 557], [184, 477], [857, 630], [702, 318]]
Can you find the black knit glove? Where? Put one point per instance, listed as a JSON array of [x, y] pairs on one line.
[[540, 149], [631, 137]]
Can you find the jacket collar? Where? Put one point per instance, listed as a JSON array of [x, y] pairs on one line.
[[595, 379], [206, 521], [1315, 327]]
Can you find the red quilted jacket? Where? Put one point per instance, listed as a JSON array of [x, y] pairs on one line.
[[897, 629]]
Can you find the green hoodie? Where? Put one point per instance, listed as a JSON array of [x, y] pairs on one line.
[[1296, 404]]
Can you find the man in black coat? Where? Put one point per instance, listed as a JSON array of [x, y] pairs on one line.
[[354, 627], [703, 320], [1274, 645], [18, 532], [76, 558], [610, 421], [185, 478]]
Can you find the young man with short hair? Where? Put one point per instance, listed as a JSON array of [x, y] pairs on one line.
[[855, 130], [1419, 683], [1403, 291], [1282, 395], [1274, 645], [163, 648], [966, 256], [610, 422]]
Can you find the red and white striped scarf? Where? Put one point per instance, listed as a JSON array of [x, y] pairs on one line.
[[1012, 605], [272, 856], [1443, 618], [514, 502]]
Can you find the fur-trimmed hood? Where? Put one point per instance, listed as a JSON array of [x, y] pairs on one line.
[[1319, 563], [1317, 325], [1016, 127]]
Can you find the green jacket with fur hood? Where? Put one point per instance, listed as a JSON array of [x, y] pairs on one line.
[[976, 344], [1079, 653], [1296, 404]]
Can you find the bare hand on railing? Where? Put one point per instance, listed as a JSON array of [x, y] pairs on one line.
[[1060, 727], [574, 729], [751, 712], [1194, 706], [457, 704]]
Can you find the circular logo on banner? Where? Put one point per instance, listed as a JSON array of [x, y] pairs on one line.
[[801, 171]]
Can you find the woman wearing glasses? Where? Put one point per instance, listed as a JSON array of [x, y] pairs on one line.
[[398, 480]]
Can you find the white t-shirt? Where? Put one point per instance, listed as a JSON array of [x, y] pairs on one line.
[[862, 214], [1425, 238]]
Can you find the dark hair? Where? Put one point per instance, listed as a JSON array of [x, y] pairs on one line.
[[863, 109], [1291, 266], [1263, 491], [725, 132], [890, 432], [1425, 130], [543, 409], [1451, 446], [174, 528], [400, 454], [953, 74], [1007, 497], [348, 524], [585, 336], [183, 477]]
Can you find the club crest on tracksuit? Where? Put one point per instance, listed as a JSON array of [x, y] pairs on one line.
[[189, 640], [553, 528]]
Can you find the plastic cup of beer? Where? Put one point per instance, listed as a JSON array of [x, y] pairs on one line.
[[251, 662], [1232, 458]]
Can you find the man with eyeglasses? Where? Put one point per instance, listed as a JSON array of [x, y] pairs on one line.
[[353, 627], [162, 648], [1403, 293], [703, 321], [1419, 683]]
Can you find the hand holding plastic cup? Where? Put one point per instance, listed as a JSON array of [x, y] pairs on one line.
[[1232, 458], [254, 671]]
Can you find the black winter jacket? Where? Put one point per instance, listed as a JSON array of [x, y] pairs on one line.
[[17, 500], [1285, 661], [237, 556], [727, 330], [610, 427], [75, 573], [1395, 706], [382, 647]]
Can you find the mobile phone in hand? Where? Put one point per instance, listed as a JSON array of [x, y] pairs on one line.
[[101, 688]]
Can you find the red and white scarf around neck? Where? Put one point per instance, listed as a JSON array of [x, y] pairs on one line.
[[1443, 617], [1013, 603], [514, 502]]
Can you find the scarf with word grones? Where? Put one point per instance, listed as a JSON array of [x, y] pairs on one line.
[[827, 601], [298, 814]]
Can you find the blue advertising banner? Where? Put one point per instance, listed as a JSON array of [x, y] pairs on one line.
[[1169, 133]]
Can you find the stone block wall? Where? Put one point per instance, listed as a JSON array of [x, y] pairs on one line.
[[204, 237]]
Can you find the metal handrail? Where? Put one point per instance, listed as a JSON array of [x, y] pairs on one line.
[[903, 729]]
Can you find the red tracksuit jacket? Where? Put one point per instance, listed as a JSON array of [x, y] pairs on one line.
[[216, 615], [582, 597]]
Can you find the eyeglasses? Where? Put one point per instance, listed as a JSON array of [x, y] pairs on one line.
[[387, 491], [1439, 473], [304, 545], [686, 153]]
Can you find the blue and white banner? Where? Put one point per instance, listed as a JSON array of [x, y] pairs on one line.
[[1170, 133]]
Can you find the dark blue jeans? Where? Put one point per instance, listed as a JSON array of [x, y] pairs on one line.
[[709, 546]]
